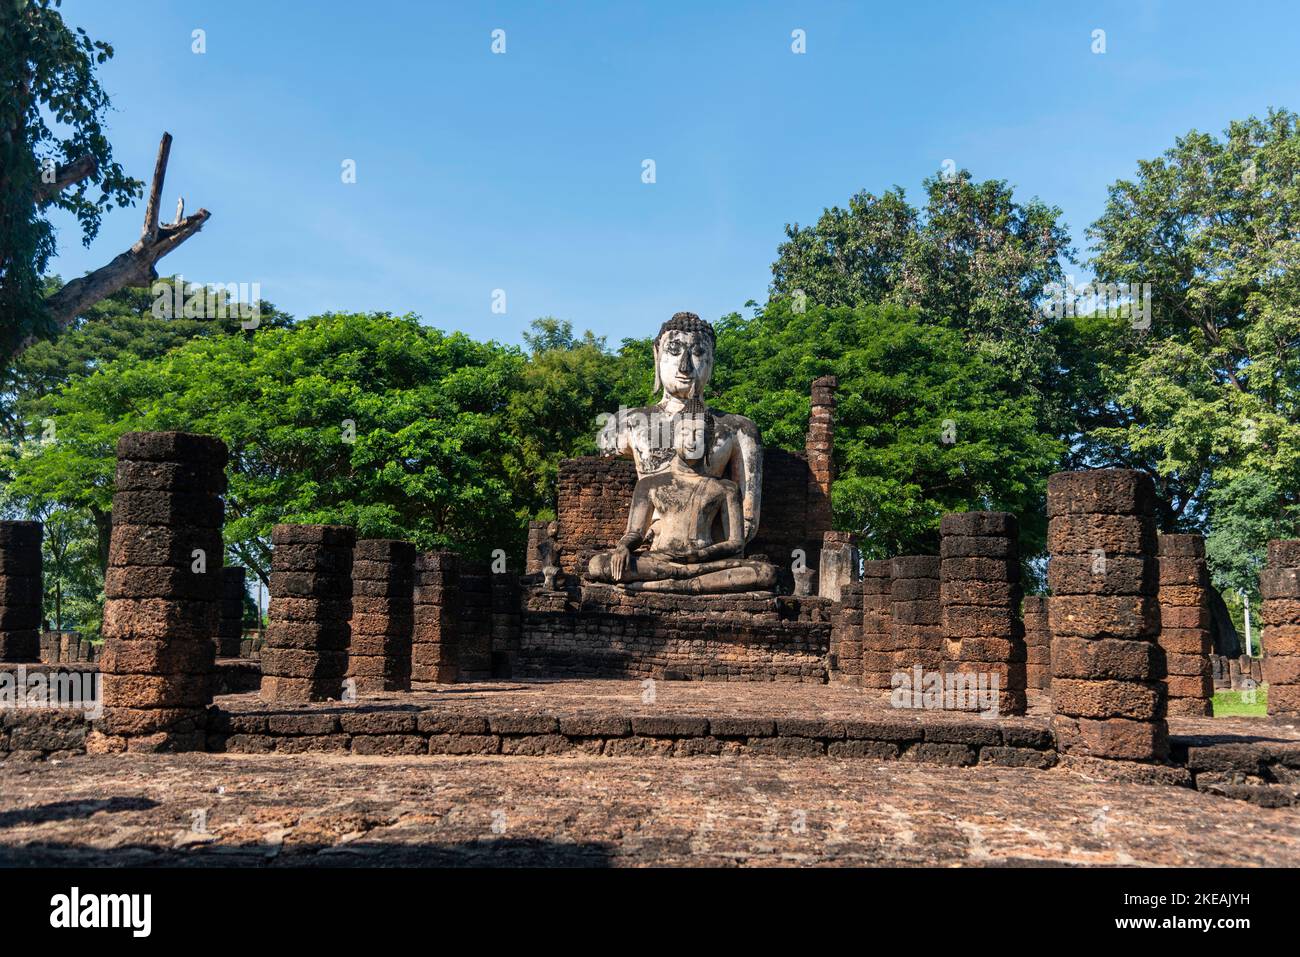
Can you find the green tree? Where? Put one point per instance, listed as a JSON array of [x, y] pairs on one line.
[[123, 324], [923, 425], [369, 420], [975, 258], [1209, 401], [565, 384], [47, 73], [53, 152]]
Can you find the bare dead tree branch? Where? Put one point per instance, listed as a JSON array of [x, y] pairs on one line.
[[135, 266], [65, 176]]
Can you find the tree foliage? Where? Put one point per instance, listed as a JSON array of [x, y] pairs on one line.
[[974, 258], [924, 425], [52, 110], [1210, 402]]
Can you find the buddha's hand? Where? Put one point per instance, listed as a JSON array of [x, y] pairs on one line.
[[619, 559]]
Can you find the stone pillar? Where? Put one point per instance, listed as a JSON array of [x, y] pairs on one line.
[[383, 615], [1104, 616], [163, 591], [916, 616], [231, 629], [474, 622], [877, 630], [819, 448], [305, 655], [1038, 643], [505, 623], [20, 591], [1185, 632], [846, 635], [980, 594], [433, 651], [838, 564], [1279, 585]]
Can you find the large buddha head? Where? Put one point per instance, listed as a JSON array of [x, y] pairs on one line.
[[684, 356]]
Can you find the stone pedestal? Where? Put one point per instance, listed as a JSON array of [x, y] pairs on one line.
[[433, 648], [980, 592], [1279, 584], [383, 615], [306, 650], [163, 591], [1185, 634], [1107, 697], [20, 591], [602, 631]]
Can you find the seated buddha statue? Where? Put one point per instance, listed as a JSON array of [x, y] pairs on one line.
[[686, 527]]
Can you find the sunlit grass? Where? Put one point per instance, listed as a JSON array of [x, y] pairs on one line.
[[1253, 704]]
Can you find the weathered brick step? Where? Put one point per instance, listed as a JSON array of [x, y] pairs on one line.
[[1266, 773], [522, 733]]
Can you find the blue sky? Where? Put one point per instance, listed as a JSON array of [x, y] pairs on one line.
[[522, 171]]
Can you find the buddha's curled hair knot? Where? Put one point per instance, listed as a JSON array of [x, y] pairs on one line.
[[688, 322]]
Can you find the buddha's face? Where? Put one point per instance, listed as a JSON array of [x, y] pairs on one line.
[[684, 362], [689, 437]]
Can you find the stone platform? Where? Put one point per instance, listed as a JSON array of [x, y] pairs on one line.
[[337, 810], [1254, 759], [603, 631]]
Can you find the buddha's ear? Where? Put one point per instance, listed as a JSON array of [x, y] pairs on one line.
[[658, 387]]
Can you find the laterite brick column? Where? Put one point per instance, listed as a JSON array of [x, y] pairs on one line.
[[1038, 643], [20, 591], [163, 590], [1107, 697], [506, 623], [980, 592], [1279, 584], [877, 628], [383, 615], [231, 629], [819, 449], [916, 613], [1185, 632], [433, 649], [474, 622], [306, 651], [846, 635]]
